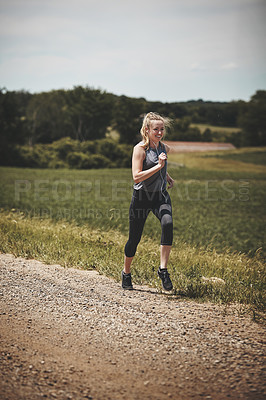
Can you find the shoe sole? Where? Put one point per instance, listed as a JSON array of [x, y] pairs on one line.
[[168, 290]]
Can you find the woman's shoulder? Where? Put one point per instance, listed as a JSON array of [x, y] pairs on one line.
[[139, 150], [140, 146]]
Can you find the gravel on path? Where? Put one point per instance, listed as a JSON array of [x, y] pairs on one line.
[[72, 334]]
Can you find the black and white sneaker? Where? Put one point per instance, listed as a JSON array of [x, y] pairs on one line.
[[165, 277], [126, 281]]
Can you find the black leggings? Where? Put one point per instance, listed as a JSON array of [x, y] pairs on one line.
[[141, 204]]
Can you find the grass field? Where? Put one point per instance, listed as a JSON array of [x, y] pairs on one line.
[[251, 157], [246, 161], [220, 129], [80, 218]]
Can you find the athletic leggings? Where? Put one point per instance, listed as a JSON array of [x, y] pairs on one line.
[[141, 204]]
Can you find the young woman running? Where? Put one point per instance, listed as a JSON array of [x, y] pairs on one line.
[[149, 170]]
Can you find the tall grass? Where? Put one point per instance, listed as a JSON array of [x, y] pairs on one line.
[[80, 218], [192, 268], [217, 209]]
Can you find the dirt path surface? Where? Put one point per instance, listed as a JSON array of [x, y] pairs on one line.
[[72, 334]]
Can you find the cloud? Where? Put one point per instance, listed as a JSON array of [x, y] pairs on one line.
[[214, 66], [132, 47], [229, 66], [197, 67]]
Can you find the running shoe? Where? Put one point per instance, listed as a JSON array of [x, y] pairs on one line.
[[165, 277], [126, 281]]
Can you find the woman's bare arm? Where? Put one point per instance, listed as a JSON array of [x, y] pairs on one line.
[[137, 164]]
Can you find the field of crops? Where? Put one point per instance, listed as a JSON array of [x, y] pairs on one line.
[[218, 208]]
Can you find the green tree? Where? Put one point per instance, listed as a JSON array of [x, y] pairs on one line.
[[128, 115], [181, 130], [46, 117], [13, 116], [89, 113], [13, 127], [253, 120]]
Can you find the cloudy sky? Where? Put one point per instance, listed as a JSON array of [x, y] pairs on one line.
[[165, 50]]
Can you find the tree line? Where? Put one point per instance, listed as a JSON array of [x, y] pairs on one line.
[[86, 115]]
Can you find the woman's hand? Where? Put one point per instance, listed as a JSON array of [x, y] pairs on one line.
[[170, 181], [161, 159]]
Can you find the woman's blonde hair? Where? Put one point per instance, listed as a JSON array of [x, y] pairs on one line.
[[151, 116]]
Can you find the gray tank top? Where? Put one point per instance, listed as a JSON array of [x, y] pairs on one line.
[[156, 182]]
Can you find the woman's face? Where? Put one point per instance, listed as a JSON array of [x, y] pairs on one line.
[[156, 131]]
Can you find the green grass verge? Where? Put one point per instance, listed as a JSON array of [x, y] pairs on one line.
[[211, 208], [192, 268], [80, 219]]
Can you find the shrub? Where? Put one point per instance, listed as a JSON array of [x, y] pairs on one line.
[[109, 148], [65, 146], [124, 158], [207, 135], [55, 163], [96, 161], [89, 147], [76, 159], [84, 161], [66, 152], [37, 156]]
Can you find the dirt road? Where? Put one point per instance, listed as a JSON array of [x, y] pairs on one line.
[[72, 334]]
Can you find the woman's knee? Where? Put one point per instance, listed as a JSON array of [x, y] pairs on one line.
[[167, 222], [167, 230]]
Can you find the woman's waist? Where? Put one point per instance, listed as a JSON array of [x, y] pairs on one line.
[[152, 184], [143, 194]]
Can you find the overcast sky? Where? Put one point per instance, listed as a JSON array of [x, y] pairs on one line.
[[165, 50]]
